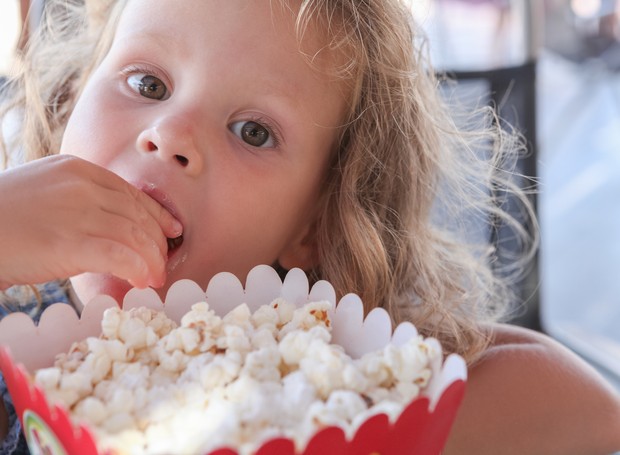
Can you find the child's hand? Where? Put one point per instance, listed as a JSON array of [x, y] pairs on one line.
[[61, 216]]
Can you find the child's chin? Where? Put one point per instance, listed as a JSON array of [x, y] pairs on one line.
[[89, 285]]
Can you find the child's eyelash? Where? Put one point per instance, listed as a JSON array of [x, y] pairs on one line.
[[143, 69]]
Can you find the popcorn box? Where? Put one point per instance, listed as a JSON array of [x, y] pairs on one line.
[[421, 428]]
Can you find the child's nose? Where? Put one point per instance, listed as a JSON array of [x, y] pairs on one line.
[[172, 140]]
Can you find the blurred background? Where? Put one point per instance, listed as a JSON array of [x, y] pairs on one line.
[[552, 68]]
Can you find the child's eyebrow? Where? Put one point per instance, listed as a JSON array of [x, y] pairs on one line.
[[165, 40]]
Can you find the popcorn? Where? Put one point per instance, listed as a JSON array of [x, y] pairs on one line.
[[148, 385]]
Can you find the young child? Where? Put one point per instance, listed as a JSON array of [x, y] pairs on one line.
[[178, 139]]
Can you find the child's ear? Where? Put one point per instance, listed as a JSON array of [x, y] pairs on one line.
[[303, 252]]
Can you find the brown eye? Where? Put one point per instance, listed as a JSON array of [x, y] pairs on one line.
[[253, 133], [148, 86]]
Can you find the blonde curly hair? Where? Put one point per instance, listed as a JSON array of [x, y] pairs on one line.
[[401, 178]]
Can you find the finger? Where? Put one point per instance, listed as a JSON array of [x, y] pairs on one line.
[[101, 255], [150, 245], [170, 226], [134, 221]]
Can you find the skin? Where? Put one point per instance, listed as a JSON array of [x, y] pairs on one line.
[[24, 8], [530, 395], [240, 205]]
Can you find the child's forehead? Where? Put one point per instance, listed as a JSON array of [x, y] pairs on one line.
[[313, 27], [259, 23]]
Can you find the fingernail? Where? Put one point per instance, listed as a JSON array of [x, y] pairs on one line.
[[158, 282], [177, 227]]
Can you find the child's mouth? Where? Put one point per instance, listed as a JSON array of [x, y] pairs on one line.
[[174, 244]]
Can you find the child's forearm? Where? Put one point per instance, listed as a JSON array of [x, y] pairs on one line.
[[4, 421]]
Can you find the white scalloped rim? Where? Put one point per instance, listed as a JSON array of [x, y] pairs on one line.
[[59, 326]]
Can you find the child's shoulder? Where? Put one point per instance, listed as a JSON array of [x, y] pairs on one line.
[[530, 394]]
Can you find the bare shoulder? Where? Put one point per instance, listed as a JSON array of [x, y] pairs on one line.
[[529, 394]]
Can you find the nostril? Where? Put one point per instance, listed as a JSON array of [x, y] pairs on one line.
[[151, 147], [182, 160]]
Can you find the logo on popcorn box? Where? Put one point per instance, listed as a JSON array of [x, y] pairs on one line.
[[40, 438]]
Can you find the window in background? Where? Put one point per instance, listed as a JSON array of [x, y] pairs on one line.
[[9, 33], [579, 96]]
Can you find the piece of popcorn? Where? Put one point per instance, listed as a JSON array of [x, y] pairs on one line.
[[183, 339], [295, 345], [92, 410], [220, 371], [103, 390], [131, 441], [263, 338], [110, 323], [66, 397], [73, 359], [375, 368], [340, 409], [324, 366], [158, 438], [266, 317], [354, 378], [263, 364], [140, 402], [377, 394], [121, 401], [407, 361], [97, 365], [160, 406], [136, 334], [48, 378], [240, 316], [162, 377], [234, 338], [174, 361], [308, 316], [161, 324], [404, 392], [117, 422], [130, 375], [117, 351], [285, 310], [201, 315], [193, 369], [298, 393], [78, 381]]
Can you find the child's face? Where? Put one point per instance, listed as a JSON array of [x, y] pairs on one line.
[[210, 107]]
